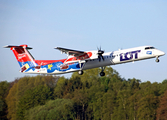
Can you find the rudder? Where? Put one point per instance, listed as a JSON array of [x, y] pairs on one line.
[[24, 58]]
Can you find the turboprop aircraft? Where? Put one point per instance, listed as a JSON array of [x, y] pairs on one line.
[[81, 60]]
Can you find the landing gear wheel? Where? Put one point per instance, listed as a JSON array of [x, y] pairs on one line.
[[157, 60], [102, 73], [80, 72]]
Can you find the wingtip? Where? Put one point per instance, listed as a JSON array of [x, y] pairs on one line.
[[6, 46], [57, 48]]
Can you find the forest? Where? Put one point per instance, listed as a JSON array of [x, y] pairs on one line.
[[86, 97]]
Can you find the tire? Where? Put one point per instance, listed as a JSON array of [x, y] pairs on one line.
[[102, 73], [157, 60], [80, 72]]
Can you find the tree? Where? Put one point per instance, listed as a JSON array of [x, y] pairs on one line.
[[33, 97], [81, 102], [12, 102], [59, 109], [163, 87], [60, 87], [162, 109], [122, 108], [4, 89], [97, 105], [72, 85], [147, 100], [85, 97], [108, 104], [19, 88], [147, 107]]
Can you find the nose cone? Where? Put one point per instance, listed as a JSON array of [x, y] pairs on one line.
[[161, 53]]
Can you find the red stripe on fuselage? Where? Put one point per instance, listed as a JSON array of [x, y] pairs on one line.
[[45, 62]]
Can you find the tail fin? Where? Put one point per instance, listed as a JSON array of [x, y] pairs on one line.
[[24, 58]]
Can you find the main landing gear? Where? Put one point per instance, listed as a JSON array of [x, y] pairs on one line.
[[102, 73], [157, 60], [81, 64], [80, 72]]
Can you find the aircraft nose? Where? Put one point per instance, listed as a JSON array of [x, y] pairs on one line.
[[162, 53]]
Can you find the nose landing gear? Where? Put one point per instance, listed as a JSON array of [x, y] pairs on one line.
[[157, 60]]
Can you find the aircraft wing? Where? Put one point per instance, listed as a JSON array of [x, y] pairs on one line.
[[70, 51]]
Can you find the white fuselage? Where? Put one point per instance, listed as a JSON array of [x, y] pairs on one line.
[[110, 58], [124, 56]]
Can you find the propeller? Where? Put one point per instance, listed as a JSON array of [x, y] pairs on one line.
[[100, 54]]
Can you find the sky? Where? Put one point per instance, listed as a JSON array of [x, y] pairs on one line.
[[84, 25]]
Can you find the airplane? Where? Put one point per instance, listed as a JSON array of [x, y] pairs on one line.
[[81, 60]]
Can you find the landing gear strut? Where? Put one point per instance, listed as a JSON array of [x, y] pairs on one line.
[[102, 73], [157, 60], [81, 65]]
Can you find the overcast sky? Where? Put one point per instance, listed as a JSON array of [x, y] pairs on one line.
[[84, 25]]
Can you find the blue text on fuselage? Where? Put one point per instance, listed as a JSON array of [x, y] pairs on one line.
[[129, 55]]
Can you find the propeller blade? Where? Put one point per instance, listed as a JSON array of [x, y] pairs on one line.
[[102, 58], [100, 52], [99, 58]]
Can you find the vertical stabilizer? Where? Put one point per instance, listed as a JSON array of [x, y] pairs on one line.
[[24, 58]]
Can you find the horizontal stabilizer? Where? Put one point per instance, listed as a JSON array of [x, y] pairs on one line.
[[14, 46]]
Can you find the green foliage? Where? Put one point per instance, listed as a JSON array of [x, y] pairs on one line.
[[59, 109], [163, 87], [19, 88], [84, 97], [148, 106], [4, 89], [11, 102], [60, 87], [162, 109], [32, 98]]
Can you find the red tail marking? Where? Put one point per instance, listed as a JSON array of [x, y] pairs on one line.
[[21, 53]]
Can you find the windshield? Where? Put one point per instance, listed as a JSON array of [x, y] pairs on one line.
[[149, 48]]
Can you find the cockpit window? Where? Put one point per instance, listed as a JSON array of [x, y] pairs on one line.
[[149, 48]]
